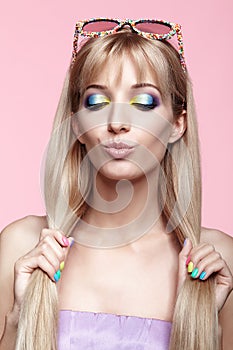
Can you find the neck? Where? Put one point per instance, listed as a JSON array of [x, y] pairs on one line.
[[133, 204], [116, 218]]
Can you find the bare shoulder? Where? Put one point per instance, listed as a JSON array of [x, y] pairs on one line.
[[16, 240], [222, 242], [22, 235]]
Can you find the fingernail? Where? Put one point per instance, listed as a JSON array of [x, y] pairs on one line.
[[188, 260], [185, 241], [57, 275], [190, 267], [72, 242], [202, 275], [62, 265], [194, 273], [65, 241]]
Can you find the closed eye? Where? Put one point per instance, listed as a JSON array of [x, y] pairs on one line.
[[95, 102], [145, 102]]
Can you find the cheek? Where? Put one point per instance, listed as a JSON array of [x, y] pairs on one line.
[[91, 138], [88, 121], [155, 132], [158, 149], [85, 128], [93, 148], [153, 151], [155, 140], [157, 125]]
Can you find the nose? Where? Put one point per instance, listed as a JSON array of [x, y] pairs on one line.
[[118, 122], [118, 128]]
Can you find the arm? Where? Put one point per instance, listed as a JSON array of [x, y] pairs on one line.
[[8, 339], [24, 247], [213, 255], [226, 323], [15, 240], [224, 244]]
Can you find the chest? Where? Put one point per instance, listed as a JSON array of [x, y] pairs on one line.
[[125, 284]]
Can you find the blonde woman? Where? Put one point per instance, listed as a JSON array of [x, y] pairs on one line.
[[120, 261]]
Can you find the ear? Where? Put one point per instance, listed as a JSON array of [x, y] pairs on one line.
[[76, 130], [179, 127]]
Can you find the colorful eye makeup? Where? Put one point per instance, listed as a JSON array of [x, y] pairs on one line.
[[145, 102], [95, 102]]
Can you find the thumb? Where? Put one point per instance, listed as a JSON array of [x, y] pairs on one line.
[[183, 260]]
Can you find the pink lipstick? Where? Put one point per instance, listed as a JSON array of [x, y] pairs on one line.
[[119, 149]]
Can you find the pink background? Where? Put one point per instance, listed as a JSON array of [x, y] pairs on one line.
[[36, 44]]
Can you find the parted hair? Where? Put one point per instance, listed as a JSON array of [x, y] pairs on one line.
[[195, 323]]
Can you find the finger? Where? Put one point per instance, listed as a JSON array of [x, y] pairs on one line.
[[50, 249], [55, 240], [213, 263], [28, 264], [47, 267], [66, 252], [50, 244], [57, 274], [204, 263], [57, 234], [70, 244], [183, 256], [201, 251], [216, 266], [54, 246]]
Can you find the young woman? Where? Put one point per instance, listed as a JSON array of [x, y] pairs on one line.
[[120, 261]]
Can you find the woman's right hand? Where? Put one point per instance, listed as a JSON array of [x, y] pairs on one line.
[[48, 255]]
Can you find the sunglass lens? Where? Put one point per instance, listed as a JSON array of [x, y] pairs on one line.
[[99, 26], [153, 27]]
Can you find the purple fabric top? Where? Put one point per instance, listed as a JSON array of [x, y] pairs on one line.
[[85, 330]]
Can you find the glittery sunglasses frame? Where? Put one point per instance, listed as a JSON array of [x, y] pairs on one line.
[[175, 29]]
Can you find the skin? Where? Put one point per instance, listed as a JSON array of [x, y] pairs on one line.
[[93, 279], [152, 130]]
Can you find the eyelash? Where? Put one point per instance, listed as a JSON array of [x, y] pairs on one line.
[[150, 102], [96, 102]]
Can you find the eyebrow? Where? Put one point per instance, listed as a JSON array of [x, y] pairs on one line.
[[96, 86], [135, 86]]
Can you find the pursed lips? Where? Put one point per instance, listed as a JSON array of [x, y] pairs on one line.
[[119, 149]]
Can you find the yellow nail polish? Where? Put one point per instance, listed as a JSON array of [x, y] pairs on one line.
[[62, 265], [190, 267]]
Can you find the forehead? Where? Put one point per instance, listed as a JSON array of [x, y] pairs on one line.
[[124, 70]]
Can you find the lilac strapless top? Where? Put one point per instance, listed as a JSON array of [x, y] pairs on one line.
[[85, 330]]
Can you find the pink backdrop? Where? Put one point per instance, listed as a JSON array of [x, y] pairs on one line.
[[36, 43]]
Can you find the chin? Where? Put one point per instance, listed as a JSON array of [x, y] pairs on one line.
[[121, 170]]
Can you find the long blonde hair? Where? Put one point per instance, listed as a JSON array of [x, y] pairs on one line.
[[195, 320]]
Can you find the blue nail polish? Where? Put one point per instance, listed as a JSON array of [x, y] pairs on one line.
[[202, 275], [185, 241], [57, 275]]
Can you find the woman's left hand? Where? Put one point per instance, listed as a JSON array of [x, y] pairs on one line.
[[201, 262]]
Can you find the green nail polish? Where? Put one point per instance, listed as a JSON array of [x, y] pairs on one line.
[[194, 273]]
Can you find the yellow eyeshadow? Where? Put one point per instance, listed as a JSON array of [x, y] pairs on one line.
[[145, 99], [97, 98]]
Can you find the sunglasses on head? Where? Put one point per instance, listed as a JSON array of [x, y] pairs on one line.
[[149, 28]]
